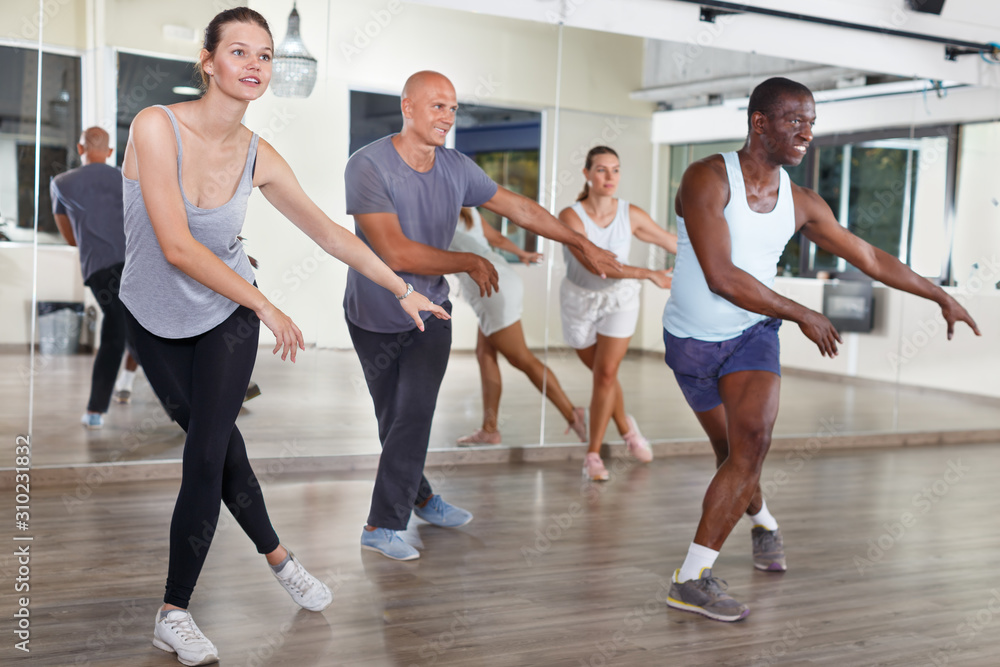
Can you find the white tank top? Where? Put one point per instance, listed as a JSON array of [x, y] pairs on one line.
[[616, 237], [757, 240]]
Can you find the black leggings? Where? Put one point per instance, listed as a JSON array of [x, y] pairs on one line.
[[202, 381], [104, 284]]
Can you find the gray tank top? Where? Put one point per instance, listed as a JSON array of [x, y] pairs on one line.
[[165, 300]]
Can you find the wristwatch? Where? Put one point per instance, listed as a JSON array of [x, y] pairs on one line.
[[408, 292]]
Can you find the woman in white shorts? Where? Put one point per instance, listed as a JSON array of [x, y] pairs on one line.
[[599, 315], [500, 329]]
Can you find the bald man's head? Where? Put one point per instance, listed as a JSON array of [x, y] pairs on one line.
[[95, 139], [94, 145], [429, 106], [421, 81]]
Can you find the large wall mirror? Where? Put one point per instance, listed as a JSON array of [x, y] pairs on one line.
[[905, 151]]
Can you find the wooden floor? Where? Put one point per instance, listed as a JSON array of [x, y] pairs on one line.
[[892, 552], [892, 561]]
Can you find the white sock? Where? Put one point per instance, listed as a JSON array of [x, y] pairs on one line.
[[125, 380], [763, 518], [698, 558]]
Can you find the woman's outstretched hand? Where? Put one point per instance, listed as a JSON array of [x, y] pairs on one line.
[[288, 337], [416, 302]]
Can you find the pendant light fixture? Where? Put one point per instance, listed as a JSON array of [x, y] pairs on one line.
[[293, 71]]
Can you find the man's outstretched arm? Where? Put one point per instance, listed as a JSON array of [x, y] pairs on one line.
[[528, 214], [403, 254], [818, 224]]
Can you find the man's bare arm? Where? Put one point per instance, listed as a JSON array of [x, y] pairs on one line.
[[528, 214], [403, 254], [818, 224]]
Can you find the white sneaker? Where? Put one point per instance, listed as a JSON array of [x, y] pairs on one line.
[[176, 632], [307, 591]]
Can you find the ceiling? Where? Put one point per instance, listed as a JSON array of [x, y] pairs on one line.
[[696, 60]]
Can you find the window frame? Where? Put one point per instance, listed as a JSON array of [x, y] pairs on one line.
[[811, 167]]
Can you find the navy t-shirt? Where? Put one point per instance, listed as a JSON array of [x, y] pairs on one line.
[[91, 196], [427, 206]]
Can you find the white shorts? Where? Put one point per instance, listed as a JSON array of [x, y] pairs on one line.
[[612, 312], [503, 308]]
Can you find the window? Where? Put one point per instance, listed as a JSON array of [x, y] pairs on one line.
[[144, 81], [891, 188], [60, 131], [505, 143]]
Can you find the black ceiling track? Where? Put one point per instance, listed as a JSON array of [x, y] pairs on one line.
[[710, 9]]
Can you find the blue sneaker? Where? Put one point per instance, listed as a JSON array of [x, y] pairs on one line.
[[92, 420], [388, 543], [440, 513]]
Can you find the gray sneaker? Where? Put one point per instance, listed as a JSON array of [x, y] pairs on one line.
[[706, 596], [768, 549]]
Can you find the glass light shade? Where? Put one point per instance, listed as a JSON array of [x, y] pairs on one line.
[[293, 70]]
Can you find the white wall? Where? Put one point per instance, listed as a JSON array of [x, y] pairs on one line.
[[371, 45]]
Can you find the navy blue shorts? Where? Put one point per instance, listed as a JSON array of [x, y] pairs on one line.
[[698, 364]]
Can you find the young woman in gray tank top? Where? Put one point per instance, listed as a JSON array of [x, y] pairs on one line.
[[194, 311]]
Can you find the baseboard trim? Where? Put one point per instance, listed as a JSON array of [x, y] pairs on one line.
[[85, 478]]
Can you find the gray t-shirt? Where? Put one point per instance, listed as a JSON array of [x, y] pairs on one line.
[[427, 205], [91, 196]]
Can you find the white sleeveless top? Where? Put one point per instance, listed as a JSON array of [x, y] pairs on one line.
[[616, 237], [757, 240]]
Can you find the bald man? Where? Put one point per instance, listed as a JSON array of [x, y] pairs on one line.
[[405, 192], [87, 204]]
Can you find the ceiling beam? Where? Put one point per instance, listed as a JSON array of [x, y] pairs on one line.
[[678, 21]]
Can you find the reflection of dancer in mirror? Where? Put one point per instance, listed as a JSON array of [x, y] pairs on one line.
[[87, 205], [500, 329], [405, 192], [194, 312], [735, 213], [599, 316]]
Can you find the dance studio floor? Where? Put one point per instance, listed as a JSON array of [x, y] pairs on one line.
[[892, 559], [892, 551]]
